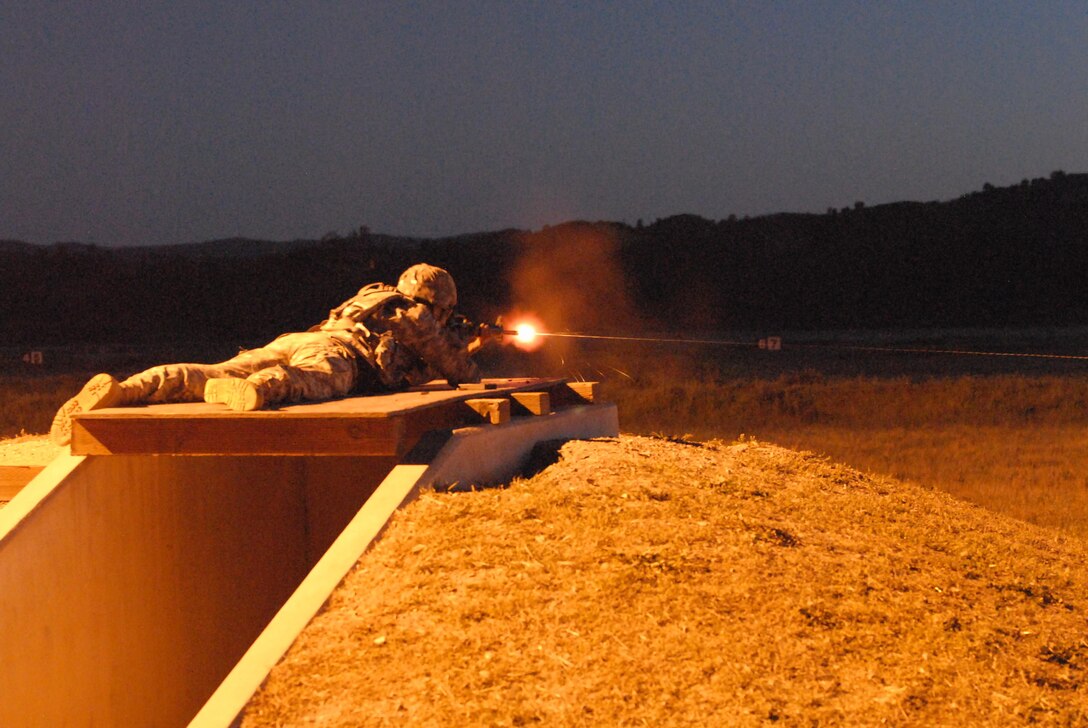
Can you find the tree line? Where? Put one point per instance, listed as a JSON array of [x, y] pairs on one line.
[[1001, 256]]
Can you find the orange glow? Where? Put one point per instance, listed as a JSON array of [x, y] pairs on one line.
[[526, 333], [527, 327]]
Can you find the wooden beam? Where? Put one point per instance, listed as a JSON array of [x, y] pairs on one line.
[[496, 410], [538, 403]]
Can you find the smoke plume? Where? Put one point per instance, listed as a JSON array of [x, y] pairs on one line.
[[571, 278]]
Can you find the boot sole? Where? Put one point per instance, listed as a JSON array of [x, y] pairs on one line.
[[238, 394], [100, 391]]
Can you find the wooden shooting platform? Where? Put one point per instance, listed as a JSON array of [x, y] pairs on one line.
[[191, 576], [371, 425]]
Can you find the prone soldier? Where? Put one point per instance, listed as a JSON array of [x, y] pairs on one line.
[[384, 338]]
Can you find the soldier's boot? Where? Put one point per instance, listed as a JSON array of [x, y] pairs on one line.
[[99, 392], [240, 395]]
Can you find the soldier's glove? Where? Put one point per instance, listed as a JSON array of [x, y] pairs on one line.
[[490, 332]]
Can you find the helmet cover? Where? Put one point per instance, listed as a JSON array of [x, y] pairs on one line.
[[429, 284]]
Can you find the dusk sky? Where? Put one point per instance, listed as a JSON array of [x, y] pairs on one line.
[[169, 122]]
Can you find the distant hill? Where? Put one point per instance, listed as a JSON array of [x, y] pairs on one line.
[[15, 246], [248, 247], [1001, 256]]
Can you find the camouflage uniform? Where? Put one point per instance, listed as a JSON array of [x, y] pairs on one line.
[[378, 340], [294, 367], [400, 340]]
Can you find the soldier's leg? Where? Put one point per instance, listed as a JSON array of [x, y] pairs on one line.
[[186, 382], [228, 385], [317, 367], [166, 383]]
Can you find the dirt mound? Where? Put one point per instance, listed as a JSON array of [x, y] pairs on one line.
[[37, 450], [649, 581], [19, 453]]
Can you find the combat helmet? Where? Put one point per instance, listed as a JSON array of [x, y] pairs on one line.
[[429, 284]]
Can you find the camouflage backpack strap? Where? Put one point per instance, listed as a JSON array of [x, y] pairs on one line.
[[358, 308]]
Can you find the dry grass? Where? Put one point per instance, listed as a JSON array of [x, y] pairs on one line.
[[645, 581], [1035, 473], [648, 582], [28, 403], [1014, 444], [28, 450], [708, 404]]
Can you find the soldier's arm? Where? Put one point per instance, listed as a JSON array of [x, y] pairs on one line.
[[440, 348], [473, 336]]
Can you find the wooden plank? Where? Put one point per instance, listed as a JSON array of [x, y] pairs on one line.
[[537, 403], [377, 405], [252, 435], [383, 425], [495, 409], [14, 477]]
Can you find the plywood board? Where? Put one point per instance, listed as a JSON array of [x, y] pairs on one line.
[[132, 584], [238, 687], [381, 425]]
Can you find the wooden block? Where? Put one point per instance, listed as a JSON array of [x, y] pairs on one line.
[[589, 391], [538, 403], [475, 386], [496, 410]]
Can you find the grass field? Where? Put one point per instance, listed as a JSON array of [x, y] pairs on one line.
[[1011, 443], [1035, 473], [1008, 434], [30, 395]]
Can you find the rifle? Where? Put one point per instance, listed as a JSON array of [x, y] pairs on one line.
[[467, 328]]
